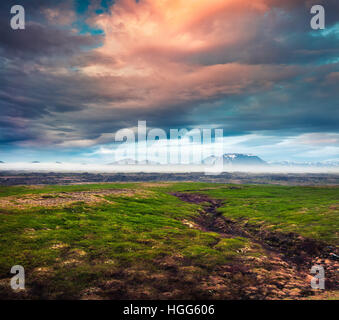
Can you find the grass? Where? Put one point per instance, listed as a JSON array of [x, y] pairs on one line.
[[66, 250], [309, 211]]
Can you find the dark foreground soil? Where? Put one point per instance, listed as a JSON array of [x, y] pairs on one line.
[[272, 266], [284, 269]]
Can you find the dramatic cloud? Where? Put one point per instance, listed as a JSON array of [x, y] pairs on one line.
[[83, 69]]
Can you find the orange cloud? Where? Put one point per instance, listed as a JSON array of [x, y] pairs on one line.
[[176, 26], [150, 49]]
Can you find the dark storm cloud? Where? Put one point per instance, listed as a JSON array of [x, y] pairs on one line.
[[283, 37], [41, 38], [28, 94], [54, 88], [38, 41]]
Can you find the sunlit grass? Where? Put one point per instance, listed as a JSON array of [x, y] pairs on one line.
[[82, 244]]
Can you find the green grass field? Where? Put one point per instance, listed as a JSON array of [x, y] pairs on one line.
[[139, 241]]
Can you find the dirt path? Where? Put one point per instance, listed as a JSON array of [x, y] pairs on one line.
[[283, 271]]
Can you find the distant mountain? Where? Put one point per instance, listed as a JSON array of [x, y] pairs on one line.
[[2, 162], [35, 161], [131, 161], [321, 164], [228, 159], [236, 159], [148, 162], [122, 162]]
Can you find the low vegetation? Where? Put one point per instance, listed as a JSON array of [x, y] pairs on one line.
[[142, 241]]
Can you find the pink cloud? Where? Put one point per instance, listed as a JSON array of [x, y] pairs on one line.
[[149, 49]]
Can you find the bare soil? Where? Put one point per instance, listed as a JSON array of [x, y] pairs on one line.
[[65, 198], [282, 272]]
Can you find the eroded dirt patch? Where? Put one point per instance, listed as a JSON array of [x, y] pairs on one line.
[[281, 272], [67, 198]]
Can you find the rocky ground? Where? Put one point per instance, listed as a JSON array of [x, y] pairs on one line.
[[283, 271], [11, 178]]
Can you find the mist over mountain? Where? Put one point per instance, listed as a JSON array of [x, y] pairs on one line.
[[228, 159], [228, 162], [133, 162], [236, 159], [321, 164]]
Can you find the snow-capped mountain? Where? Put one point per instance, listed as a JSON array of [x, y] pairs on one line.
[[227, 159], [236, 159]]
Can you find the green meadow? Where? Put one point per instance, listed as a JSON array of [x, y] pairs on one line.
[[139, 241]]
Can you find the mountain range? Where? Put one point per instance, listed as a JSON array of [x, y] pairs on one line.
[[231, 159], [228, 159], [239, 159], [236, 159], [286, 163], [135, 162]]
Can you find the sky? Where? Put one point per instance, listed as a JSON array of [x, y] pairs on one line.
[[82, 70]]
